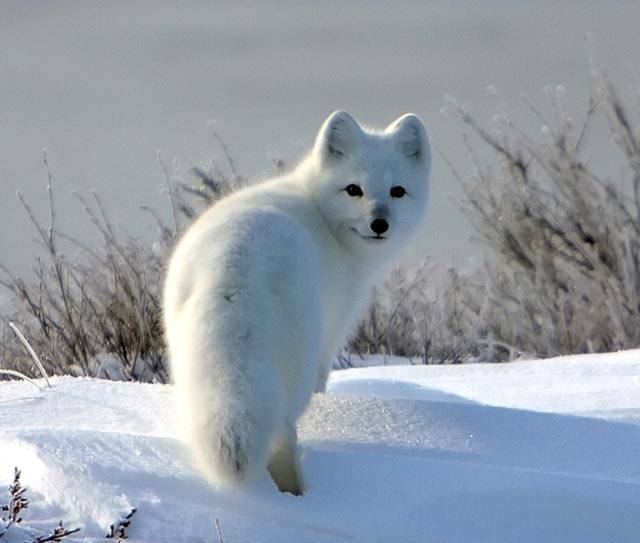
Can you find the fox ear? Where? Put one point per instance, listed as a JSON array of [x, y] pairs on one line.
[[339, 136], [410, 138]]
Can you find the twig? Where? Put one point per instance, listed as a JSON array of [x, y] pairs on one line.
[[16, 505], [225, 150], [58, 534], [218, 530], [167, 179], [52, 213], [119, 530]]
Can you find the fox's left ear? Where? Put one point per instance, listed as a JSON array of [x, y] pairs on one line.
[[410, 138]]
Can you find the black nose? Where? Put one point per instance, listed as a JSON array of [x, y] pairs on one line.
[[379, 226]]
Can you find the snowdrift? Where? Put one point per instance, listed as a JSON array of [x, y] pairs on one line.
[[524, 452]]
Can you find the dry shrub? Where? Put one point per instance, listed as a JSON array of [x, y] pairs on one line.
[[427, 312], [98, 311], [562, 244]]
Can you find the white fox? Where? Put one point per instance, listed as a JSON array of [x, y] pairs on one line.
[[263, 289]]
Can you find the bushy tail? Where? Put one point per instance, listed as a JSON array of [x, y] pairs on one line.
[[229, 400], [230, 443]]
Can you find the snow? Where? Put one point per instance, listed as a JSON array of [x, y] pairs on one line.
[[599, 385], [541, 450]]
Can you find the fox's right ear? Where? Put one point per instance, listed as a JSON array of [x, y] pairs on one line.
[[339, 136]]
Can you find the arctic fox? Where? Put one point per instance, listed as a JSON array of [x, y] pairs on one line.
[[263, 289]]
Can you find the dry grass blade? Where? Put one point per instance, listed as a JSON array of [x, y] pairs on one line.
[[33, 354], [14, 373]]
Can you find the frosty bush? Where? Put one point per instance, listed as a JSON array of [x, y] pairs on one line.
[[429, 311], [98, 312], [562, 270]]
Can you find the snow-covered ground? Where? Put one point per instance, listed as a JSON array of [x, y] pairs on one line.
[[538, 451]]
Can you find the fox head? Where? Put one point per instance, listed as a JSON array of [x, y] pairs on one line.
[[370, 186]]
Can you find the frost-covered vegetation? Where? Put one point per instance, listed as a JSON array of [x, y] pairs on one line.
[[561, 243], [96, 310], [562, 268], [561, 271]]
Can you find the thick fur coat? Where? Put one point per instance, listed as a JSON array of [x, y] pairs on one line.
[[263, 289]]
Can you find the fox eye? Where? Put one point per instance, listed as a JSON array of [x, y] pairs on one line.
[[353, 190], [397, 191]]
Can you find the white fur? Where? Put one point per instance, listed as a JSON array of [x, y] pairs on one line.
[[263, 289]]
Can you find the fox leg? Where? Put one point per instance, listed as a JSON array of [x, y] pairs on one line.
[[284, 465]]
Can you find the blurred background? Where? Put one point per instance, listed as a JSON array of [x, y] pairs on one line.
[[105, 85]]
